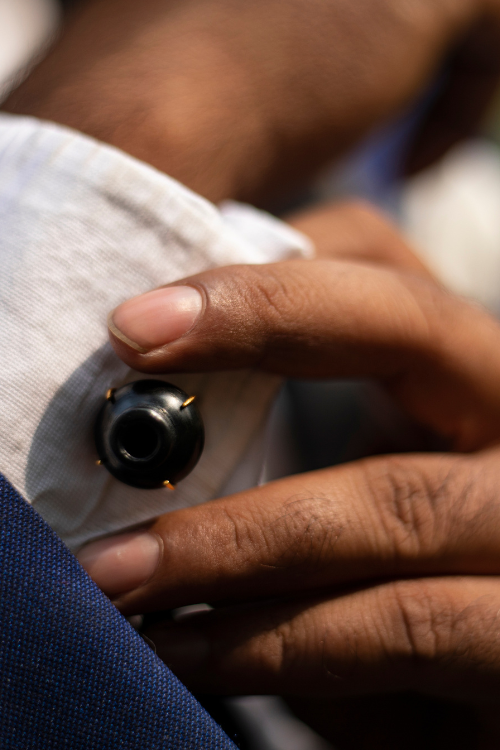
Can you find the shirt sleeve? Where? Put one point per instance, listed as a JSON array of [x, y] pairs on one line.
[[83, 227]]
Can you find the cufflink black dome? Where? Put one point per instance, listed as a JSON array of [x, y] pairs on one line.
[[149, 434]]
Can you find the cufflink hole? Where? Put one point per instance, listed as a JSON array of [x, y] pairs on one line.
[[145, 438], [139, 439]]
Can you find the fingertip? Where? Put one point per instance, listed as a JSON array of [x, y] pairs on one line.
[[122, 563], [116, 335], [157, 318]]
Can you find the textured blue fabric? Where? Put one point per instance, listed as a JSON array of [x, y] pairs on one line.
[[74, 674]]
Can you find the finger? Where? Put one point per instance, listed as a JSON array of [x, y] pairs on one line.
[[437, 635], [379, 518], [438, 355], [354, 231]]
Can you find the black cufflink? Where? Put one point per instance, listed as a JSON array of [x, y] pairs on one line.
[[149, 434]]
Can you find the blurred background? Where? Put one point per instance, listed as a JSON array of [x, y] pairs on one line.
[[436, 170]]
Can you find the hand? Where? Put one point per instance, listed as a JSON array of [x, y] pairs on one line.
[[377, 577], [238, 99]]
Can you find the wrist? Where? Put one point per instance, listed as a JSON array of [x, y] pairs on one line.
[[189, 115]]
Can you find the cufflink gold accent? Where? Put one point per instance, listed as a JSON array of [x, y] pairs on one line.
[[149, 434]]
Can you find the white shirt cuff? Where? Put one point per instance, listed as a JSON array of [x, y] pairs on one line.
[[83, 227]]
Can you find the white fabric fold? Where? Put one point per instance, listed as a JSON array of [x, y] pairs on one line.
[[82, 228]]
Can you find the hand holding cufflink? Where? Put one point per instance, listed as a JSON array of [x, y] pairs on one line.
[[273, 555]]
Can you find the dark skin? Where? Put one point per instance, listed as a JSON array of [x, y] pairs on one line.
[[244, 99], [377, 579], [373, 578]]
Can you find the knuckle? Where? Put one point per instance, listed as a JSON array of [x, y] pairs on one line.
[[275, 293], [425, 616], [241, 532], [442, 620], [272, 295], [287, 645], [419, 502], [280, 648], [475, 629], [296, 541], [304, 534]]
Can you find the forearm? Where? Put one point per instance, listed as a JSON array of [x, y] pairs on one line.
[[155, 85], [234, 99]]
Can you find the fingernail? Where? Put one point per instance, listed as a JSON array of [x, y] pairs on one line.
[[156, 318], [122, 563], [181, 647]]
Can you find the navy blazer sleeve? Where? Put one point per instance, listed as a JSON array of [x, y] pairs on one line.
[[73, 673]]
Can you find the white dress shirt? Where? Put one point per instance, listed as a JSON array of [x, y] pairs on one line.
[[83, 227]]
